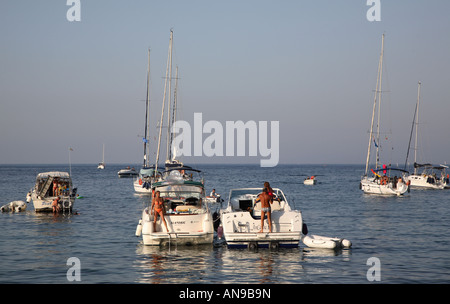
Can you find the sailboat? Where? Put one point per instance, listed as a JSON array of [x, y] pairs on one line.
[[381, 182], [102, 164], [142, 183], [186, 218], [428, 179]]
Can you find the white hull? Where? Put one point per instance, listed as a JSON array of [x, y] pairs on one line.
[[310, 181], [184, 229], [372, 186], [45, 205], [140, 188], [241, 228], [425, 181]]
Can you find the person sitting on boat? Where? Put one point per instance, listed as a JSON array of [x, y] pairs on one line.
[[55, 205], [265, 200], [158, 207], [215, 195]]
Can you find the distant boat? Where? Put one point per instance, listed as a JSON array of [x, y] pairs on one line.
[[384, 183], [128, 172], [102, 164], [431, 177], [310, 180]]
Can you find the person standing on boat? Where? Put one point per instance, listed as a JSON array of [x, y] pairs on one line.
[[158, 207], [265, 200]]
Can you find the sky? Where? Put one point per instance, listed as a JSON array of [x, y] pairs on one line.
[[309, 65]]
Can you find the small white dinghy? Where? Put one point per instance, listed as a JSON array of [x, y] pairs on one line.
[[310, 180], [317, 241]]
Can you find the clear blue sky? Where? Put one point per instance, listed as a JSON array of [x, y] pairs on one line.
[[311, 65]]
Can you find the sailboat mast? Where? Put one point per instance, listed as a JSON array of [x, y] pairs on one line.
[[379, 73], [417, 125], [379, 90], [163, 105], [147, 116], [174, 110], [168, 149]]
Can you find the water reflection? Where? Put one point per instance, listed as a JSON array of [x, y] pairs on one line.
[[208, 264], [176, 264]]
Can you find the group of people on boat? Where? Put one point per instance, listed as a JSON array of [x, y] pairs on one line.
[[60, 188], [385, 180]]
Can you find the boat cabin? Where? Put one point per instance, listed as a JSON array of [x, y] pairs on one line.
[[248, 200]]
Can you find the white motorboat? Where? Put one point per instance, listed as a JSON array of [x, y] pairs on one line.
[[310, 180], [385, 184], [52, 187], [127, 172], [241, 221], [187, 215]]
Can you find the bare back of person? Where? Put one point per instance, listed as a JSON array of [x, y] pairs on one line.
[[265, 200]]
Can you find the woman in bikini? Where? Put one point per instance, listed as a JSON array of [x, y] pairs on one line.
[[158, 207]]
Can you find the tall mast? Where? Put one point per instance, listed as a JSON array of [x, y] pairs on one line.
[[377, 91], [147, 116], [379, 102], [164, 101], [414, 123], [168, 149], [417, 125], [174, 110]]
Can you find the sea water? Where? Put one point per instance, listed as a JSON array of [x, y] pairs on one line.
[[408, 235]]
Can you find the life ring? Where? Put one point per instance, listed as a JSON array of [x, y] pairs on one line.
[[66, 204]]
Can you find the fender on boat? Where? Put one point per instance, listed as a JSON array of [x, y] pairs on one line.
[[139, 228]]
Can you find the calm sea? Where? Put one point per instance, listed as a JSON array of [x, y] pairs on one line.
[[407, 235]]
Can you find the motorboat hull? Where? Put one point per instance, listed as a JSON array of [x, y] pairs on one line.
[[45, 205], [242, 229], [184, 229]]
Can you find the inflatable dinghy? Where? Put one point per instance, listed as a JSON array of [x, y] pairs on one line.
[[316, 241]]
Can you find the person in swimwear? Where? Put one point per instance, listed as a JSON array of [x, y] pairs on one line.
[[158, 207], [55, 205], [265, 200]]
